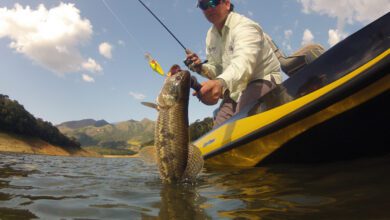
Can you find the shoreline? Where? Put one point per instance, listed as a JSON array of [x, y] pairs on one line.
[[12, 143], [17, 144], [120, 156]]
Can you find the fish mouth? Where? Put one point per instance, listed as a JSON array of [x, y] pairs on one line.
[[176, 88]]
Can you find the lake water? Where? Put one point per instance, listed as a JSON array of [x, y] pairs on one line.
[[47, 187]]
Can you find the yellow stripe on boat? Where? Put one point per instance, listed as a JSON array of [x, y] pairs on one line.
[[250, 154]]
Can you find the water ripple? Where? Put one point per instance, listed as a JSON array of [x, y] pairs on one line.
[[33, 186]]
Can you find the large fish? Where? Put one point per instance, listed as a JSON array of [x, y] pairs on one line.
[[177, 160]]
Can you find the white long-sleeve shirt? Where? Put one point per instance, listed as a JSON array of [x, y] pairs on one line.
[[239, 55]]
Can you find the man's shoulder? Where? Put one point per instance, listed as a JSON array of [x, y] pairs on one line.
[[237, 20]]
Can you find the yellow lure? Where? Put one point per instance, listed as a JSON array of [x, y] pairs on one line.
[[154, 64]]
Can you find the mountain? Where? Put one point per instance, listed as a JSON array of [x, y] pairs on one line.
[[119, 138], [83, 123]]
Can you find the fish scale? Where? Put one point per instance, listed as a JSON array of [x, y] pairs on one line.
[[177, 159]]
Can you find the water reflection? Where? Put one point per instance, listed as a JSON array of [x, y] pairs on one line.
[[259, 190], [85, 188], [181, 202], [11, 213], [341, 190], [251, 193]]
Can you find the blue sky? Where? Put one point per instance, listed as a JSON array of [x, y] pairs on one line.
[[71, 60]]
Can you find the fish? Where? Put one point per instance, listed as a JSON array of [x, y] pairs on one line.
[[177, 159]]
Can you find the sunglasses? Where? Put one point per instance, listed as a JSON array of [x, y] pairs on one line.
[[204, 5]]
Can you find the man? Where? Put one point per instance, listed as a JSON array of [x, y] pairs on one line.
[[241, 65]]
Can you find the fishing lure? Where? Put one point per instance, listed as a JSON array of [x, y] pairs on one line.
[[154, 64]]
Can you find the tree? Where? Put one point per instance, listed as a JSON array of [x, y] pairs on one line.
[[199, 128], [15, 119]]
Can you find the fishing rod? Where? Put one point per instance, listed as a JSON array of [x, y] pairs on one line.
[[170, 32], [153, 63], [195, 84], [166, 28]]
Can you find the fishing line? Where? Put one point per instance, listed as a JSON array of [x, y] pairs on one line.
[[124, 27], [166, 28], [186, 62], [152, 62]]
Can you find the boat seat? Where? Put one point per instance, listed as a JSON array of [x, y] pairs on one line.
[[299, 59]]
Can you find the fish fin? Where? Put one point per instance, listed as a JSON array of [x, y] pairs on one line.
[[150, 105]]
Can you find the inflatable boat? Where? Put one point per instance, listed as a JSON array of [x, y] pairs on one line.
[[331, 109]]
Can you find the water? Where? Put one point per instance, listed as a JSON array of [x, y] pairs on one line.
[[47, 187]]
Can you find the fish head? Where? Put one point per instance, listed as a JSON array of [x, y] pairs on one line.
[[175, 90]]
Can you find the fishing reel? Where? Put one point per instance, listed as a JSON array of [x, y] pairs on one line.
[[193, 67]]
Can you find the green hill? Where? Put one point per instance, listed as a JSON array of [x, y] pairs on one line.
[[124, 137], [15, 119], [119, 138], [83, 123]]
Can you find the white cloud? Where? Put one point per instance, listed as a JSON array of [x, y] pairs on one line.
[[92, 66], [88, 78], [346, 12], [105, 50], [287, 47], [287, 34], [335, 36], [363, 11], [49, 37], [121, 42], [308, 37], [286, 41], [137, 96]]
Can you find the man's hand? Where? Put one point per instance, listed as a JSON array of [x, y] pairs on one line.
[[193, 61], [210, 92]]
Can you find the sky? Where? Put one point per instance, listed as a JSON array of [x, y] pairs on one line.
[[72, 60]]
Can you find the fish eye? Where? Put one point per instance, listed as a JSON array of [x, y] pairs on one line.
[[178, 78]]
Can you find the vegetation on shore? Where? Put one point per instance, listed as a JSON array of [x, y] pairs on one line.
[[110, 151], [123, 138], [16, 120], [199, 128]]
